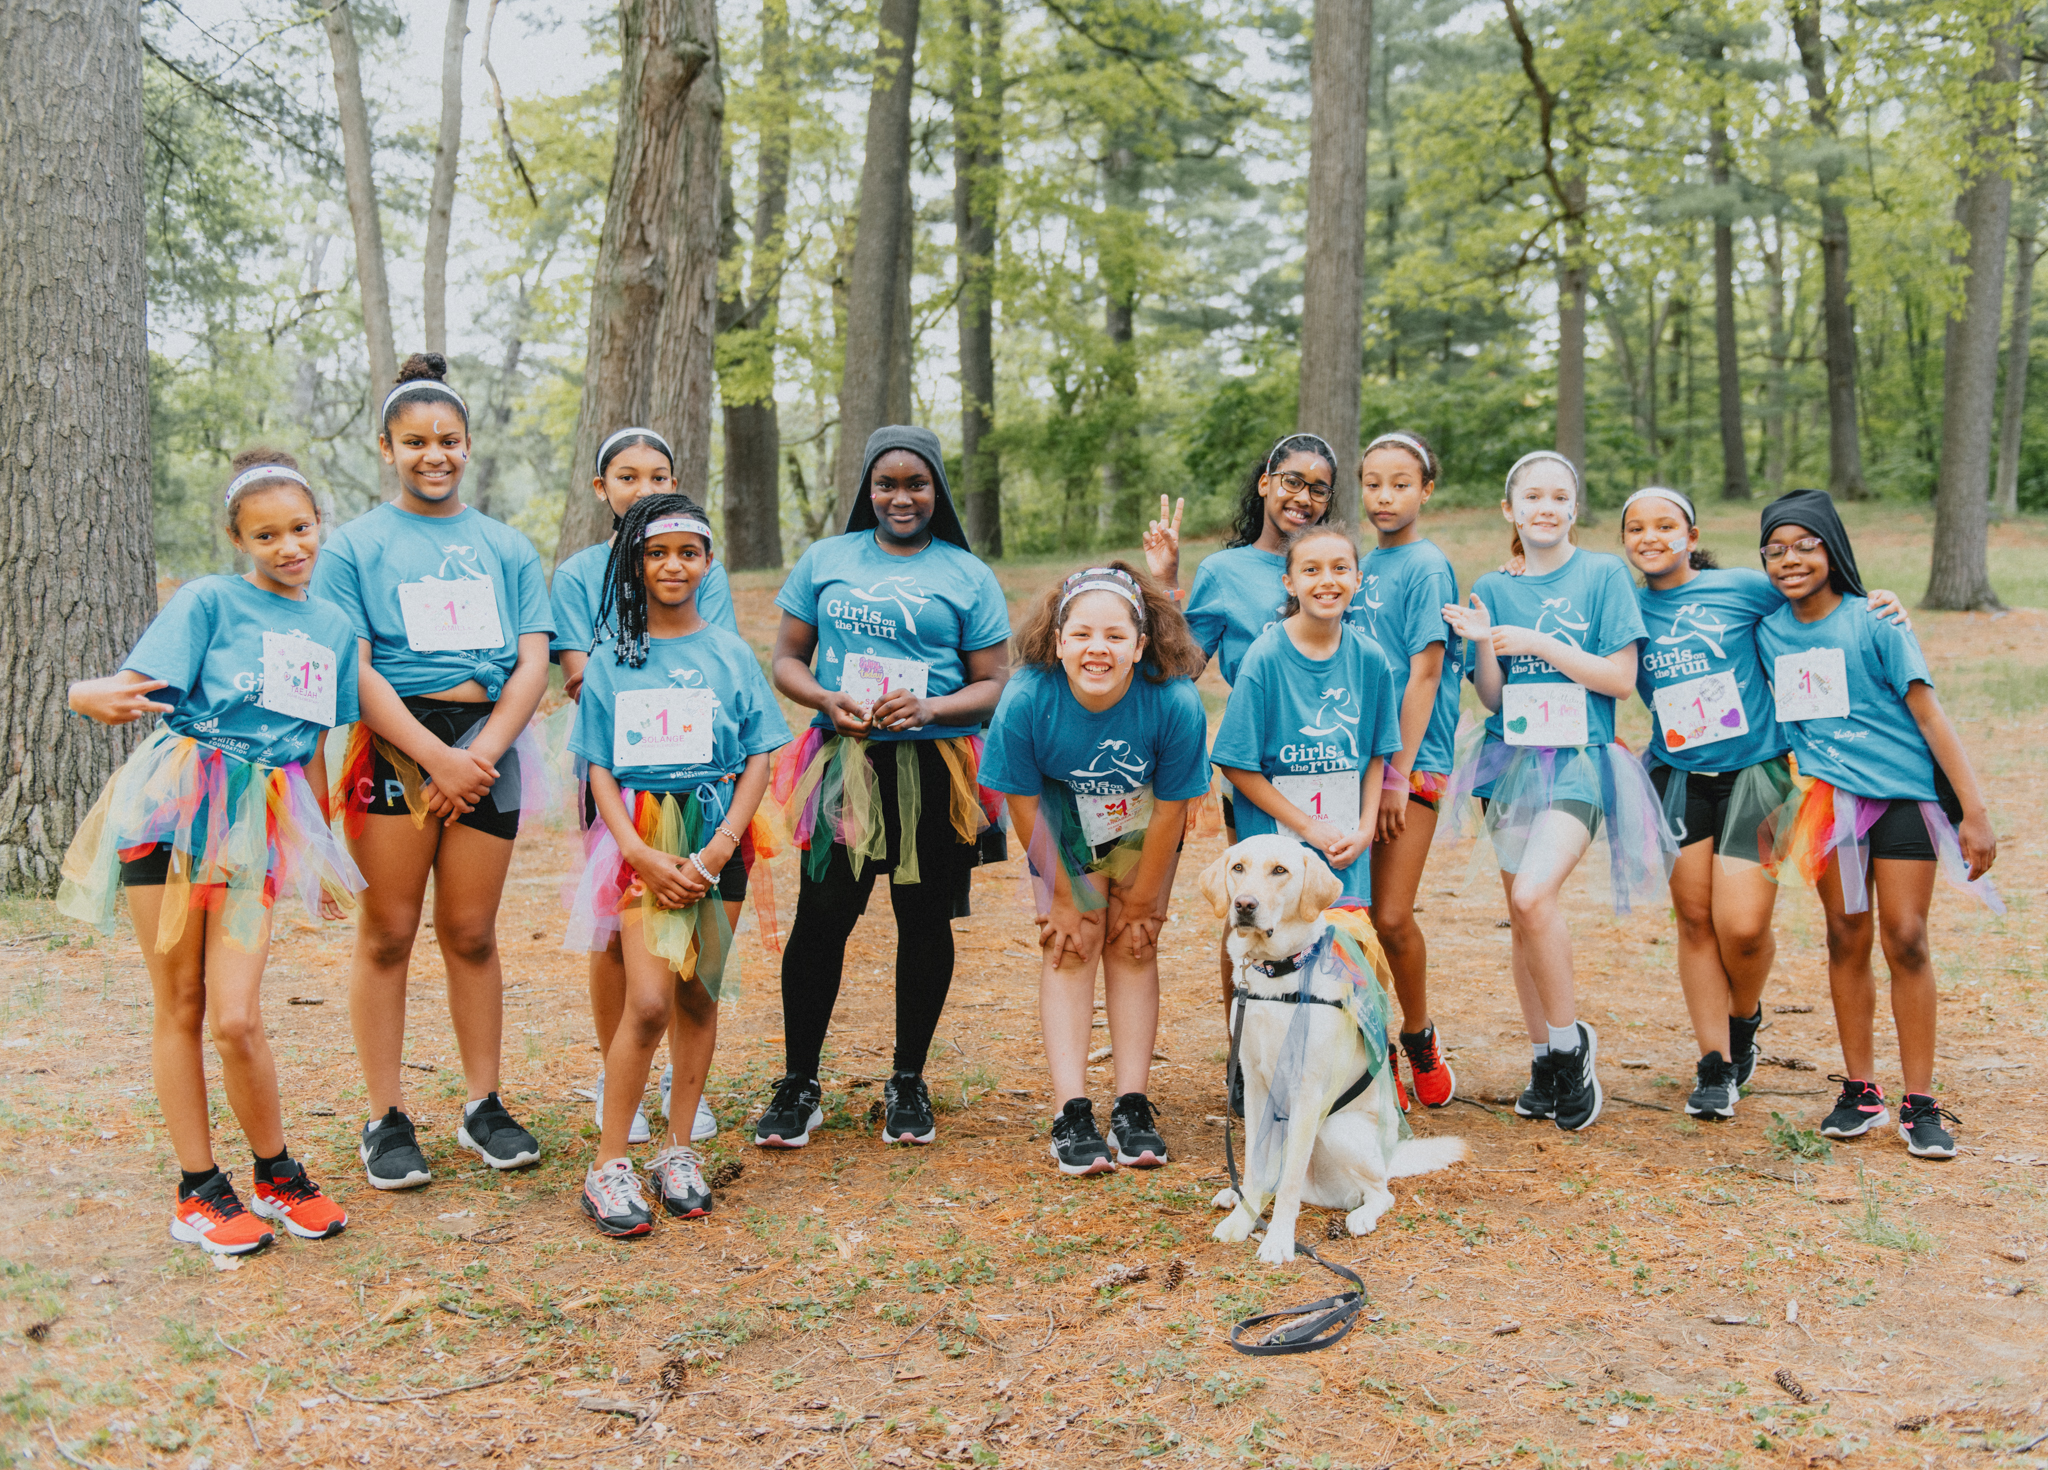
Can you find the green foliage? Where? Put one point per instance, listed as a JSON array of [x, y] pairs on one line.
[[1793, 1142]]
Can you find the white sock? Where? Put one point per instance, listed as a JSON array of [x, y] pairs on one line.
[[1539, 1049], [471, 1106], [1565, 1038]]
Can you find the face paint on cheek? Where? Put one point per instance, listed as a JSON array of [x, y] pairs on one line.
[[1678, 546]]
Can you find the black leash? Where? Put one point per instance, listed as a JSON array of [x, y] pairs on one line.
[[1318, 1324]]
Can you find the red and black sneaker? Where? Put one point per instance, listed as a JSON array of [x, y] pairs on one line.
[[1859, 1109], [212, 1218], [1435, 1083], [296, 1202], [1394, 1071]]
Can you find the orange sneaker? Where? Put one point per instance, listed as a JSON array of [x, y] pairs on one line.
[[1394, 1071], [296, 1203], [212, 1218], [1435, 1083]]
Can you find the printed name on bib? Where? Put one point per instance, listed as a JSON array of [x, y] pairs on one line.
[[662, 727], [1544, 714], [1812, 684], [1106, 818], [298, 678], [1326, 796], [450, 617], [867, 676], [1701, 711]]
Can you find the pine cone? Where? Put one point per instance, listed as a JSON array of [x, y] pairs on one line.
[[1122, 1275], [1176, 1273], [1784, 1379], [724, 1172]]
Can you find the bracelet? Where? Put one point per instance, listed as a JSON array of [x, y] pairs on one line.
[[698, 863], [730, 833]]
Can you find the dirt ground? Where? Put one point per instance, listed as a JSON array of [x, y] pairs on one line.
[[1651, 1292]]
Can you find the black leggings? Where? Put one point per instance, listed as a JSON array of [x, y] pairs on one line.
[[828, 908]]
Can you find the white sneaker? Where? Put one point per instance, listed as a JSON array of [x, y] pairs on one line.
[[706, 1124], [639, 1132], [612, 1200]]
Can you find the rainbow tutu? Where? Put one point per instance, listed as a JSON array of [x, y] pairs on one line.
[[1818, 821], [826, 787]]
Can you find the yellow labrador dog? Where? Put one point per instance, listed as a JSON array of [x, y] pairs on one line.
[[1272, 891]]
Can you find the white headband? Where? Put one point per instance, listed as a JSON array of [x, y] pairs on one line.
[[1578, 485], [1408, 441], [660, 443], [422, 385], [1328, 453], [1662, 492], [260, 472], [676, 523], [1102, 579]]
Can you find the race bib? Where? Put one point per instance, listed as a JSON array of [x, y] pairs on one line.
[[1327, 796], [867, 677], [298, 678], [1701, 711], [1544, 714], [1812, 684], [1106, 818], [662, 727], [444, 617]]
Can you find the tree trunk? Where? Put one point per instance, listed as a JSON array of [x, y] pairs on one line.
[[1778, 351], [877, 249], [753, 430], [74, 395], [899, 410], [1571, 325], [1333, 269], [654, 290], [441, 199], [977, 203], [358, 160], [1118, 267], [496, 417], [1845, 450], [1959, 577], [2006, 496], [1727, 360]]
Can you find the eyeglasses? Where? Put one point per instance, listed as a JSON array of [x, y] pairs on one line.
[[1317, 491], [1805, 546]]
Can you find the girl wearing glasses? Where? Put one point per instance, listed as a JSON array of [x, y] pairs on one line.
[[1889, 793]]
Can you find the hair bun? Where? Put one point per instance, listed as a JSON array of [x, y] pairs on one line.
[[424, 367], [257, 454]]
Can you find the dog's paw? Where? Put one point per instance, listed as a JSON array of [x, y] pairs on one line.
[[1366, 1218], [1226, 1199], [1277, 1249], [1236, 1226]]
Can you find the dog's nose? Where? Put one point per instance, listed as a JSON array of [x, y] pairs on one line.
[[1247, 907]]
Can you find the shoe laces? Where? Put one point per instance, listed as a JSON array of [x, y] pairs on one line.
[[223, 1206], [790, 1091], [1134, 1109], [1076, 1118], [618, 1187], [294, 1186], [1925, 1110], [1423, 1055], [681, 1167], [909, 1092], [1855, 1089]]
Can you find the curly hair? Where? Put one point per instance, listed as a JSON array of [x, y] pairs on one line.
[[1170, 649], [1298, 539], [1250, 519], [622, 598]]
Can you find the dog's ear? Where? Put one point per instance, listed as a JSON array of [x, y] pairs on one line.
[[1214, 887], [1319, 886]]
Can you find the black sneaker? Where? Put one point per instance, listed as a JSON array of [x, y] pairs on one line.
[[1713, 1097], [1577, 1085], [489, 1132], [1742, 1047], [1138, 1143], [791, 1114], [1539, 1098], [1077, 1145], [391, 1155], [1920, 1125], [907, 1110], [1859, 1109]]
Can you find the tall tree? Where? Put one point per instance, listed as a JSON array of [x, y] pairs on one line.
[[977, 100], [880, 234], [654, 287], [1727, 351], [1959, 576], [359, 173], [74, 394], [2005, 492], [753, 430], [1845, 449], [441, 198], [1333, 268]]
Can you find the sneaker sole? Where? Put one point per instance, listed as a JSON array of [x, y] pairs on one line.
[[1877, 1120], [1449, 1097], [411, 1181], [614, 1232], [776, 1140], [1936, 1152], [185, 1235], [1599, 1096], [260, 1207], [1079, 1171], [685, 1212], [1520, 1112], [1143, 1159], [517, 1161], [1712, 1115], [909, 1137]]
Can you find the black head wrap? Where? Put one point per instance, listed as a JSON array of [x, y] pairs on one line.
[[945, 522], [1815, 510]]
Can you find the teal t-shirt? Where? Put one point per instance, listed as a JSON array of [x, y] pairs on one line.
[[579, 581], [1589, 602], [1154, 736], [209, 647], [1704, 628], [933, 608], [716, 676], [398, 578], [1402, 595], [1299, 721], [1876, 751], [1237, 596]]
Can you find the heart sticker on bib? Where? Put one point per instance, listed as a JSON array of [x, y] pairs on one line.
[[1673, 739], [1519, 724], [1732, 718]]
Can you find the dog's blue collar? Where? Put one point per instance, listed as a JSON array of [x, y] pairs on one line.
[[1274, 969]]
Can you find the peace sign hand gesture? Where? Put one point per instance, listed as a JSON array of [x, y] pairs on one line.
[[1162, 544]]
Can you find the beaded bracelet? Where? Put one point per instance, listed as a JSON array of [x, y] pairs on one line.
[[698, 863], [730, 833]]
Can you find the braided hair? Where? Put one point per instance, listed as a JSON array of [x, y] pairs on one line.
[[622, 598]]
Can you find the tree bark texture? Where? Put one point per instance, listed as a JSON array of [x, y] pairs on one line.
[[977, 205], [359, 174], [1845, 449], [1333, 267], [75, 526], [879, 234], [1960, 577], [2005, 495], [753, 431], [1778, 349], [899, 409], [654, 290], [1122, 199], [1727, 352], [1571, 325], [441, 198]]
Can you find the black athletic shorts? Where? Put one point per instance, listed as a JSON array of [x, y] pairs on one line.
[[151, 870], [449, 721], [1901, 833], [1706, 799], [732, 878]]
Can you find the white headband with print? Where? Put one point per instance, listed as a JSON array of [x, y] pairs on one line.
[[668, 524], [1677, 498], [1103, 579], [255, 473]]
